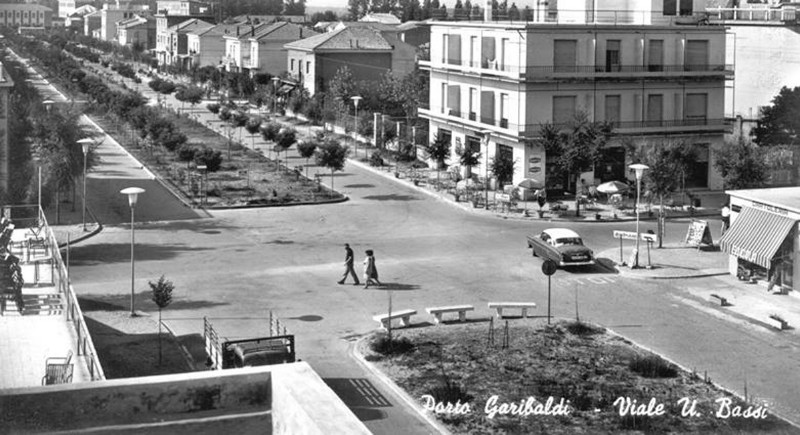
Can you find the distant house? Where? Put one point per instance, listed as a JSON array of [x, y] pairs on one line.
[[68, 7], [25, 15], [75, 20], [110, 15], [368, 52], [176, 45], [138, 30], [170, 15], [259, 48], [416, 33], [206, 46]]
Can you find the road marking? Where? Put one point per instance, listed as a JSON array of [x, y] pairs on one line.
[[599, 280]]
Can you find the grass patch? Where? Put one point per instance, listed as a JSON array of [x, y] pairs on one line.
[[577, 362]]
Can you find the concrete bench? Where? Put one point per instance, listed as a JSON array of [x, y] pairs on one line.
[[499, 306], [722, 301], [403, 315], [777, 322], [437, 312]]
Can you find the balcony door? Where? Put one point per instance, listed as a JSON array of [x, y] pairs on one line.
[[696, 55], [613, 59], [655, 110], [655, 55], [564, 55]]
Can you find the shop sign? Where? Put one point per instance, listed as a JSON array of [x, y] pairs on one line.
[[535, 159], [769, 208], [744, 254], [503, 197], [534, 169]]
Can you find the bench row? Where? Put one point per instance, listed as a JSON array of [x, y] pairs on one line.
[[438, 312]]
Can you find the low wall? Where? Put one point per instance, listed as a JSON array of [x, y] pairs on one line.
[[155, 404]]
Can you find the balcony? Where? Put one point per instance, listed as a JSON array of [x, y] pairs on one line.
[[503, 125], [785, 15], [551, 72]]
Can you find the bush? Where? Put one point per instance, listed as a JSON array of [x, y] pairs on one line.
[[213, 107], [397, 345], [212, 159], [376, 159], [450, 392], [653, 366], [582, 329], [186, 153]]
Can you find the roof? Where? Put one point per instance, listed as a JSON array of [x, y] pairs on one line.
[[781, 197], [24, 7], [131, 22], [346, 39], [561, 233], [83, 10], [190, 25], [380, 18], [408, 25]]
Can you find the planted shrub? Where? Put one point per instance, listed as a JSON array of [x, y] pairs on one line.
[[382, 344], [209, 157], [375, 159], [451, 392], [213, 108], [653, 366], [186, 153], [583, 329]]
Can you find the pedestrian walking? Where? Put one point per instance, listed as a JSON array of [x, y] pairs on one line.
[[370, 270], [348, 265]]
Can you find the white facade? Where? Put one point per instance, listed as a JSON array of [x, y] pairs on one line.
[[506, 79]]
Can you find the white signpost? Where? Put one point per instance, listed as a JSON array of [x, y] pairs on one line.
[[631, 235]]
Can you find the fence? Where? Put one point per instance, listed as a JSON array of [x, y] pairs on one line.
[[26, 216]]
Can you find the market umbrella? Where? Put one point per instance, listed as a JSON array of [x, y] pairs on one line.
[[611, 187], [529, 183]]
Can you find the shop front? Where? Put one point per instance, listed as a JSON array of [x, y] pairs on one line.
[[763, 239]]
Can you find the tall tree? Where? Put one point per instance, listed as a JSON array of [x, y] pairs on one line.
[[502, 167], [741, 164], [577, 147], [439, 151], [294, 7], [332, 155], [162, 296], [780, 123]]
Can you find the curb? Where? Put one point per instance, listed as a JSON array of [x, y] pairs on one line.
[[92, 233], [187, 356], [689, 274], [399, 392]]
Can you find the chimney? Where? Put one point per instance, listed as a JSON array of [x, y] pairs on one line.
[[252, 30]]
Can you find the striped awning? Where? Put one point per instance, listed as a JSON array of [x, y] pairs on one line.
[[756, 235]]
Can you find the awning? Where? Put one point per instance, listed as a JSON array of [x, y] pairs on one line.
[[285, 89], [756, 235]]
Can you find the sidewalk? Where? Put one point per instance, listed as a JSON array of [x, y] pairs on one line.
[[744, 301]]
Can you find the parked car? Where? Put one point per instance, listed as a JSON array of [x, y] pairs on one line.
[[561, 245]]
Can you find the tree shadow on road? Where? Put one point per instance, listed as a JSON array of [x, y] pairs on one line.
[[105, 253], [392, 197], [143, 302], [394, 286]]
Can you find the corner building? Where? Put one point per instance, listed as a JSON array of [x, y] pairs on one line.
[[652, 77]]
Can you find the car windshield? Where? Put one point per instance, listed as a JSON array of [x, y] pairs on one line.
[[569, 241]]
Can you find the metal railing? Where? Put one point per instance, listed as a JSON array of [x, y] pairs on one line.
[[567, 16], [32, 215], [534, 71], [619, 126], [784, 14]]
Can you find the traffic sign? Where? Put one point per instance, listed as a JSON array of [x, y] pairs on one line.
[[549, 267], [631, 235]]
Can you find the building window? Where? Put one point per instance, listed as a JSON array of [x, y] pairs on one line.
[[564, 55], [504, 110], [454, 100], [308, 67], [655, 110], [696, 55], [670, 7], [473, 102], [447, 135], [487, 107], [444, 97], [474, 54], [612, 108], [696, 108], [613, 60], [291, 65], [686, 7], [563, 109], [655, 55], [454, 49], [487, 52], [504, 53]]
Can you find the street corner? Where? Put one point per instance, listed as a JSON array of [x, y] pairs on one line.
[[668, 262]]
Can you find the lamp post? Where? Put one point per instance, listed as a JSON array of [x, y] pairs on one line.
[[355, 99], [639, 169], [275, 81], [133, 195], [486, 134], [85, 143]]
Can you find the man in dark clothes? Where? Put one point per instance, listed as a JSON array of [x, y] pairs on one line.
[[348, 264]]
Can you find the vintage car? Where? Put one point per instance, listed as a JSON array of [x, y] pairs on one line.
[[561, 245]]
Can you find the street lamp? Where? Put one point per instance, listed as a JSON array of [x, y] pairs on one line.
[[639, 170], [85, 143], [486, 134], [133, 195], [275, 81], [356, 99]]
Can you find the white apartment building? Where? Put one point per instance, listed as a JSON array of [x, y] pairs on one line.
[[653, 78]]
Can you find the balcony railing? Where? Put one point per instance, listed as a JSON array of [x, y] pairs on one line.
[[546, 71], [623, 127], [785, 14], [566, 16]]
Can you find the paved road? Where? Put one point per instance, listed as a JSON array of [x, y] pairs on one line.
[[238, 265]]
